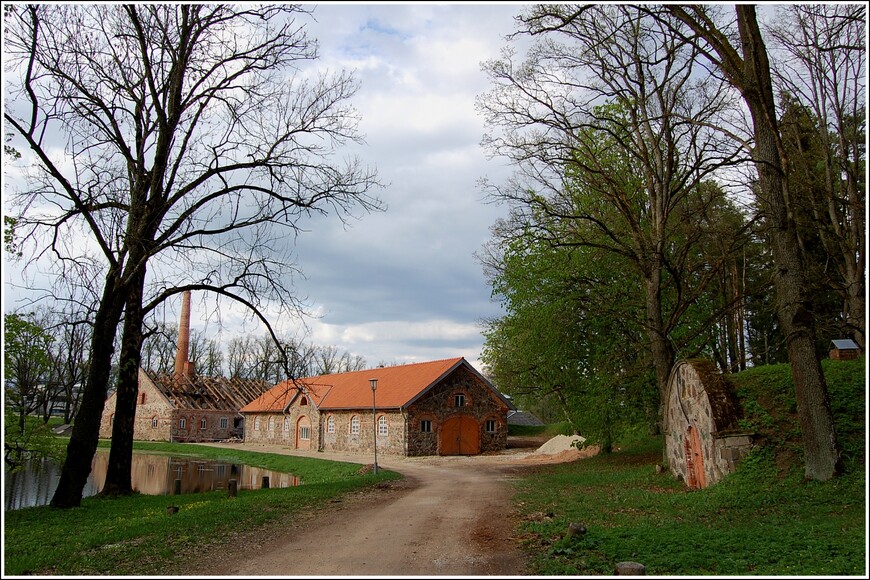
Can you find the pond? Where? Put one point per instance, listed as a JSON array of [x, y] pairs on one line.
[[35, 483]]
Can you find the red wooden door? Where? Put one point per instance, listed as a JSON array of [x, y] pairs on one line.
[[460, 435], [695, 476]]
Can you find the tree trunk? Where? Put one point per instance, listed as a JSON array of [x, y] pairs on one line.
[[86, 430], [794, 307], [118, 472]]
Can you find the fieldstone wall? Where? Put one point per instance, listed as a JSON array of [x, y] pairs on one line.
[[219, 425], [342, 438], [151, 407], [437, 405], [703, 441]]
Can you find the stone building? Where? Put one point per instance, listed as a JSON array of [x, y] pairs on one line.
[[703, 440], [186, 406], [442, 407]]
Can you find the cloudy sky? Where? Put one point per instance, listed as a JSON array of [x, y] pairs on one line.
[[401, 285]]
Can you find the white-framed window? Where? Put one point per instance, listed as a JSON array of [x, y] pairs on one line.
[[256, 423], [490, 425], [425, 426], [154, 422], [304, 433], [203, 423], [182, 423], [225, 423], [286, 423], [354, 425], [330, 424], [382, 425], [271, 423], [459, 400]]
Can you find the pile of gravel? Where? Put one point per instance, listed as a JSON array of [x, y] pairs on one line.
[[558, 444]]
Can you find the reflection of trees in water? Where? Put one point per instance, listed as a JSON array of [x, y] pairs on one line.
[[151, 475]]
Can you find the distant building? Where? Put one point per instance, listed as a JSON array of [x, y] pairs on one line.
[[523, 418], [844, 349], [442, 407], [185, 406]]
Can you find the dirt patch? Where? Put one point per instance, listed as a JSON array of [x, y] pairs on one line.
[[447, 516]]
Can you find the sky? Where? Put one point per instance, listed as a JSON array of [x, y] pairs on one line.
[[401, 285]]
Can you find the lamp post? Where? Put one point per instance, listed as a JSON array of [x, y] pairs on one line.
[[374, 383]]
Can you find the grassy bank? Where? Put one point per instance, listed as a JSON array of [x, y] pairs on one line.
[[762, 520], [136, 536]]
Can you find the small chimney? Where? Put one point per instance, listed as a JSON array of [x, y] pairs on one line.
[[182, 365]]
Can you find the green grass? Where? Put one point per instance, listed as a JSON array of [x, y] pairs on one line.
[[765, 519], [136, 535]]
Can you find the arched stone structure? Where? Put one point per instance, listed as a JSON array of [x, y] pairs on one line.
[[703, 441]]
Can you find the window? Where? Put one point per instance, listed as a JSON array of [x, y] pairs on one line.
[[271, 423], [303, 433], [141, 398], [153, 422], [459, 400], [286, 423], [425, 426], [330, 424], [382, 425], [354, 425], [225, 423], [111, 419], [490, 425], [202, 423], [182, 423], [303, 401], [256, 424]]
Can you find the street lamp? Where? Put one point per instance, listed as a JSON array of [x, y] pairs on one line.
[[374, 383]]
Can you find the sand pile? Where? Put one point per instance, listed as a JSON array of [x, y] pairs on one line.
[[560, 449]]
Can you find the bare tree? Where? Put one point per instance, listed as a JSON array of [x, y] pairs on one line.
[[195, 141], [741, 56], [823, 65]]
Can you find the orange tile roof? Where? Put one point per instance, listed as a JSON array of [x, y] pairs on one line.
[[397, 387]]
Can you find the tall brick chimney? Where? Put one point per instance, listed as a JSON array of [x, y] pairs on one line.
[[181, 363]]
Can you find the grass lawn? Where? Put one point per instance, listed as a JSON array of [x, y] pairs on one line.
[[765, 519], [136, 536]]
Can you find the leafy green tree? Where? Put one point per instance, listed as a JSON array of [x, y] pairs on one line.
[[27, 362]]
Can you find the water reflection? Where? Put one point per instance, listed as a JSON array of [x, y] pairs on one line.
[[151, 475]]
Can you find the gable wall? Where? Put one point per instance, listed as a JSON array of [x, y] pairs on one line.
[[155, 406], [437, 405]]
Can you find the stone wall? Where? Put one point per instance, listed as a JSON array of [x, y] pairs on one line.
[[193, 429], [701, 410], [343, 439], [437, 405], [153, 420]]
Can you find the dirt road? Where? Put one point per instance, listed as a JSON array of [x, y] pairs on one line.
[[448, 516]]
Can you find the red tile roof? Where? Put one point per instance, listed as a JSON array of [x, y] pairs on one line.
[[398, 386]]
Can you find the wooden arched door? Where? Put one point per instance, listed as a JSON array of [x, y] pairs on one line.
[[460, 435], [695, 476]]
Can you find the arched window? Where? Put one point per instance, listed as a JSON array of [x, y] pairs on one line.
[[303, 401], [182, 423], [382, 425], [154, 421], [202, 423], [271, 423], [354, 425], [330, 424], [256, 423], [286, 423]]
